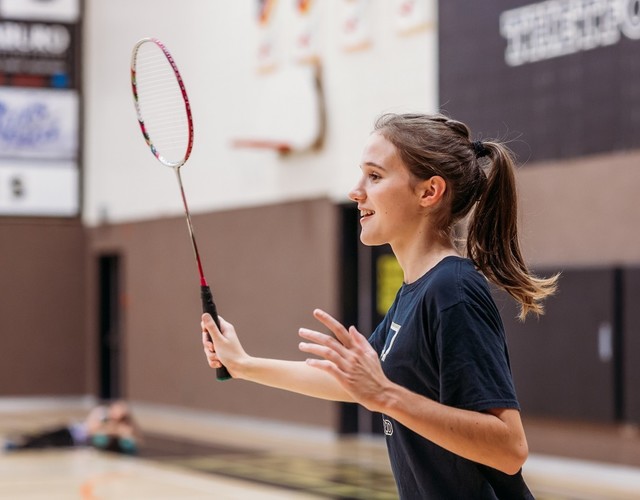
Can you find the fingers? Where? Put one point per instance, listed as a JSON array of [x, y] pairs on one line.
[[206, 339], [209, 350], [208, 323], [216, 335], [326, 366], [321, 344], [348, 337], [322, 351], [210, 331], [357, 338], [335, 353], [339, 351], [334, 325]]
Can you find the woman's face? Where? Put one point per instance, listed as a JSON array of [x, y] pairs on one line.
[[386, 193]]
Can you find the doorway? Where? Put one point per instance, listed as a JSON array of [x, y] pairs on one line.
[[109, 321], [370, 278]]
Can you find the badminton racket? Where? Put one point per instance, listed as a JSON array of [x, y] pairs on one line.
[[164, 115]]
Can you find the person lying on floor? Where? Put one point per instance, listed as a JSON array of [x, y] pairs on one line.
[[109, 427]]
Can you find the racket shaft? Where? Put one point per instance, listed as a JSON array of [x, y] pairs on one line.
[[209, 306]]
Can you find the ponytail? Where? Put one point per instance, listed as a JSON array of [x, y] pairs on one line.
[[492, 239], [437, 145]]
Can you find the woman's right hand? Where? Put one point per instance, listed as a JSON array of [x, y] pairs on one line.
[[225, 349]]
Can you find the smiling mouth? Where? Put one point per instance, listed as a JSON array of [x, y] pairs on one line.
[[366, 213]]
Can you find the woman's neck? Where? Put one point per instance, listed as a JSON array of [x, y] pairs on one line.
[[421, 255]]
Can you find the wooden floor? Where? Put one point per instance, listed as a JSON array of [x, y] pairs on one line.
[[190, 455]]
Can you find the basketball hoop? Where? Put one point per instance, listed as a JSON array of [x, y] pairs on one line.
[[280, 147]]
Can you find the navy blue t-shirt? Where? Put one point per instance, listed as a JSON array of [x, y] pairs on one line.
[[443, 338]]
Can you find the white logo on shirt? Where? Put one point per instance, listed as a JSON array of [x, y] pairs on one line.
[[395, 327], [387, 426]]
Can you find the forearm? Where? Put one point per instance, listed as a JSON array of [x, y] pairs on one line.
[[293, 376], [496, 441]]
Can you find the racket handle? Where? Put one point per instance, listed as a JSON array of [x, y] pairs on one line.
[[209, 306]]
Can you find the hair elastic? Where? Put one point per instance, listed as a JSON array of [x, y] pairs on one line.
[[479, 149]]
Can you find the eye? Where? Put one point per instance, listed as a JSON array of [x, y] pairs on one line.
[[374, 176]]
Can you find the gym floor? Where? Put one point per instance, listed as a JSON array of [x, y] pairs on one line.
[[189, 455]]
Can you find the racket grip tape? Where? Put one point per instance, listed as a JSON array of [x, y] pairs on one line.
[[209, 306]]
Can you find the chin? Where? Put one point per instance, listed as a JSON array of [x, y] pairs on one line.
[[371, 241]]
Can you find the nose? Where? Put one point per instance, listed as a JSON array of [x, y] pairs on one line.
[[357, 193]]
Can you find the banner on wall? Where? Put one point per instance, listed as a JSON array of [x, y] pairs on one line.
[[44, 10], [412, 16], [267, 35], [355, 25], [39, 107], [39, 188], [38, 123], [38, 54], [305, 39]]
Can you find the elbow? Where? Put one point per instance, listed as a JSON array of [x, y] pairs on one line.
[[511, 446], [516, 459]]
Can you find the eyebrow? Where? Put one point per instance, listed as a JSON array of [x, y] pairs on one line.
[[372, 164]]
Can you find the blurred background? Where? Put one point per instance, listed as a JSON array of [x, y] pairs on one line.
[[99, 295]]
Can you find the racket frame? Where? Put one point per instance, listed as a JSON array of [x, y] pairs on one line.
[[208, 304], [185, 97]]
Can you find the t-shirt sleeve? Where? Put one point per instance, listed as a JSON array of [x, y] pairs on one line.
[[379, 336], [473, 360]]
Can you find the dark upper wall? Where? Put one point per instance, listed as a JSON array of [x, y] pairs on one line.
[[510, 82]]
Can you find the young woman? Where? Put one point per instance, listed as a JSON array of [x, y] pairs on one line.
[[437, 367]]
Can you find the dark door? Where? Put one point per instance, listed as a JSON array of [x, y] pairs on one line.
[[370, 278], [109, 326], [565, 363], [630, 369]]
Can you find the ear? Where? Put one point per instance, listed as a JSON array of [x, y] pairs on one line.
[[431, 191]]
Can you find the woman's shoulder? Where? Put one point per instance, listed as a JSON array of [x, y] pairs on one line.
[[454, 280], [454, 270]]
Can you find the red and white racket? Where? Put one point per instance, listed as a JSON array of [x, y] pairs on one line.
[[164, 115]]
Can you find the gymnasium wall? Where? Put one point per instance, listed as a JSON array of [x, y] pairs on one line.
[[557, 80], [582, 212], [269, 267], [268, 225], [42, 240], [215, 44], [42, 307]]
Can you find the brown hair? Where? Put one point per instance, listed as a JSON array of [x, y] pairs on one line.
[[437, 145]]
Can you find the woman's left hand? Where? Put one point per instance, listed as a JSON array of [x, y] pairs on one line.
[[349, 358]]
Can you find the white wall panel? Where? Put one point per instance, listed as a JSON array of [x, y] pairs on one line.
[[214, 44], [39, 189]]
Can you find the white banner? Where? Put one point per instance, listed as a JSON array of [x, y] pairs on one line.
[[354, 25], [414, 15], [41, 10], [39, 189], [306, 46], [38, 123]]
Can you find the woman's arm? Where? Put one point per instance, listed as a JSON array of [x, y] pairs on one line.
[[294, 376], [495, 438]]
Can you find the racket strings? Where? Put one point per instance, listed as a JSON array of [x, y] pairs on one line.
[[163, 109]]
